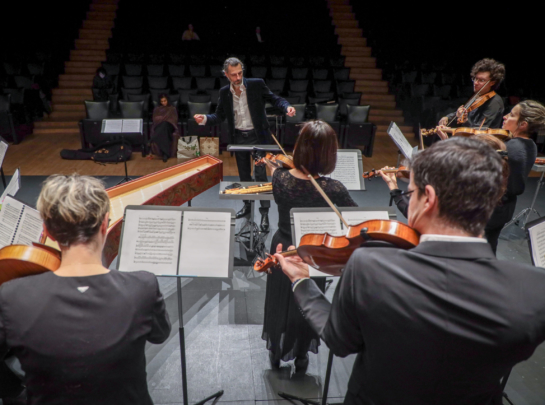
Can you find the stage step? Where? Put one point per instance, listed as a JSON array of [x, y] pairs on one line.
[[351, 41], [98, 24], [342, 16], [406, 129], [387, 113], [365, 76], [349, 32], [83, 84], [82, 64], [56, 131], [383, 105], [356, 51], [80, 70], [100, 44], [356, 64], [88, 58], [56, 124], [74, 92], [69, 107], [103, 7], [73, 78], [67, 115], [339, 8], [366, 98], [101, 15], [73, 99], [345, 23], [345, 2], [87, 35]]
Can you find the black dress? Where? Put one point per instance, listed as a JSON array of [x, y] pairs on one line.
[[80, 340], [287, 333]]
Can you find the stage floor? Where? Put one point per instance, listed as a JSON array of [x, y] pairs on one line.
[[223, 322]]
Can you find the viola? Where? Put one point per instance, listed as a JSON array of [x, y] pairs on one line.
[[329, 254], [403, 171], [24, 260], [501, 134], [283, 161], [540, 161]]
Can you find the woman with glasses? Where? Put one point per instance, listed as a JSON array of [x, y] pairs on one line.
[[487, 75]]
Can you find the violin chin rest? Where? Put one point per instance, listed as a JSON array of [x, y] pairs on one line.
[[377, 243]]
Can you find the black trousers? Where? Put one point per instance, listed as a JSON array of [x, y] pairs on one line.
[[502, 214], [10, 385], [244, 163]]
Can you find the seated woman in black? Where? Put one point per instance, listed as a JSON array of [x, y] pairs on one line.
[[80, 332], [287, 334], [102, 85], [165, 122]]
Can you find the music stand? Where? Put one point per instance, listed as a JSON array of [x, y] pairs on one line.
[[528, 211], [181, 330], [3, 151]]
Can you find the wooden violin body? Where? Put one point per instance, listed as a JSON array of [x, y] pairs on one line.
[[329, 254], [501, 134], [23, 260], [279, 160], [401, 171]]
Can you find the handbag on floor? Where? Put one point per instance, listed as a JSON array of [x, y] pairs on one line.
[[188, 147], [210, 146]]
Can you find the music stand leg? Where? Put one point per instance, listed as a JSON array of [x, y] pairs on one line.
[[182, 349], [527, 211], [3, 178], [326, 386], [252, 208], [126, 178]]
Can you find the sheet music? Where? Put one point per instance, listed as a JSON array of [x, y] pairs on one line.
[[400, 140], [13, 186], [315, 222], [537, 240], [347, 170], [3, 149], [357, 217], [151, 241], [30, 227], [132, 126], [112, 126], [205, 248], [9, 218]]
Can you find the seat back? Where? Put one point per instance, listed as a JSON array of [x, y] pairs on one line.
[[17, 95], [259, 71], [157, 82], [279, 72], [36, 69], [181, 83], [23, 82], [357, 114], [321, 85], [155, 70], [205, 83], [199, 108], [360, 136], [341, 74], [131, 109], [298, 85], [140, 97], [176, 70], [299, 73], [5, 104], [112, 69], [97, 110], [133, 82], [327, 112], [200, 98], [299, 114], [126, 92], [197, 70], [132, 69]]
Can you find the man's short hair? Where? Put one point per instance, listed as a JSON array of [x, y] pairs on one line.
[[466, 175], [495, 68], [232, 62]]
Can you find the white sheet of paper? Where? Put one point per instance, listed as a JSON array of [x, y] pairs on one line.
[[151, 240], [9, 217], [132, 126], [3, 150], [30, 227], [315, 222], [537, 239], [357, 217], [205, 248], [400, 140], [13, 186], [347, 170], [112, 126]]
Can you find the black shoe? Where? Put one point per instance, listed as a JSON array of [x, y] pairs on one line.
[[301, 364], [265, 222], [245, 211], [274, 363], [165, 158]]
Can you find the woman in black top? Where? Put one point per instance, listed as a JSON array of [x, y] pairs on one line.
[[80, 332], [102, 85], [525, 119], [287, 333]]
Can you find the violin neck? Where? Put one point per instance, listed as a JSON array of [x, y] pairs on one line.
[[289, 253]]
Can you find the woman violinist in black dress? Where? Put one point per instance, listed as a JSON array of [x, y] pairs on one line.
[[287, 334]]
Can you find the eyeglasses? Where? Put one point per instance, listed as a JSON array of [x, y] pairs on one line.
[[480, 81], [408, 193]]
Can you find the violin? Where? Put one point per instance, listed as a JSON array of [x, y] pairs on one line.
[[540, 161], [329, 254], [283, 161], [403, 171], [501, 134], [24, 260]]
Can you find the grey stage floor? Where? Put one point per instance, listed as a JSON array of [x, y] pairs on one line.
[[223, 322]]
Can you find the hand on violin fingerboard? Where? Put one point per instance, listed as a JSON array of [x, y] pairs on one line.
[[293, 266]]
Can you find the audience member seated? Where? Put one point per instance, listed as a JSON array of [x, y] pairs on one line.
[[80, 332], [102, 85], [189, 34], [165, 123]]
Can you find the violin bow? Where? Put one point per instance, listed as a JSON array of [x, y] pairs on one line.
[[278, 143], [326, 198], [470, 102]]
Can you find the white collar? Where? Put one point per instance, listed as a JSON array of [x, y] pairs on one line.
[[450, 238]]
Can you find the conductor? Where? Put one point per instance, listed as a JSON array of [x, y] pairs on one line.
[[242, 102], [442, 323]]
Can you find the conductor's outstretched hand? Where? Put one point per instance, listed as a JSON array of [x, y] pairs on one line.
[[290, 112], [199, 118], [293, 266]]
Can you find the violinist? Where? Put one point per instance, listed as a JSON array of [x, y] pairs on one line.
[[80, 332], [524, 120], [287, 335], [441, 323], [487, 75]]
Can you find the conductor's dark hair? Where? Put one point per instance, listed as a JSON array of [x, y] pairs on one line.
[[316, 148], [101, 70], [232, 62], [466, 175], [496, 69]]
